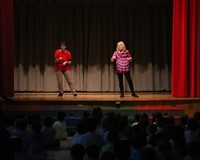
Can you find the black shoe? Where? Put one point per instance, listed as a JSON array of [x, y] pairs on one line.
[[134, 95], [74, 93], [122, 95], [60, 94]]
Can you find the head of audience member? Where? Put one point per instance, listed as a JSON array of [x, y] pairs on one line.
[[164, 148], [85, 115], [1, 115], [61, 116], [36, 129], [9, 121], [178, 135], [93, 152], [91, 124], [81, 128], [48, 122], [151, 129], [5, 145], [122, 121], [32, 118], [110, 121], [160, 123], [143, 122], [138, 139], [21, 123], [193, 149], [196, 116], [77, 152], [183, 120], [107, 156], [192, 124], [123, 151], [197, 134], [170, 120], [137, 117], [148, 153], [156, 115], [113, 138], [97, 114]]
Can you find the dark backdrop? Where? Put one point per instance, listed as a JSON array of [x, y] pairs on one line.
[[91, 29]]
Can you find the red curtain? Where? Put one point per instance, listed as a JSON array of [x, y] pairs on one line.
[[186, 48], [6, 48]]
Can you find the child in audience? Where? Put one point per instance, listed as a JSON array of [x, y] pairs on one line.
[[49, 134], [36, 147], [60, 126]]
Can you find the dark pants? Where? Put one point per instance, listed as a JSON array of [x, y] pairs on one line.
[[128, 78]]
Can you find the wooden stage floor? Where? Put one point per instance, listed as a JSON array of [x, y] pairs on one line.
[[146, 102], [96, 96]]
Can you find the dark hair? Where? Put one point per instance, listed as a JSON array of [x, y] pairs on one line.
[[93, 151], [148, 153], [107, 155], [61, 116], [63, 43], [36, 128], [77, 152], [48, 121], [91, 124]]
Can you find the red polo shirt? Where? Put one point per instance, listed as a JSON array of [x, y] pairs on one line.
[[65, 57]]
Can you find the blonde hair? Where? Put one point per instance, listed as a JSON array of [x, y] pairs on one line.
[[123, 45]]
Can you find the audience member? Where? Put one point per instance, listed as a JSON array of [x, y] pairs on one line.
[[36, 146], [49, 133], [60, 126], [77, 152], [91, 137]]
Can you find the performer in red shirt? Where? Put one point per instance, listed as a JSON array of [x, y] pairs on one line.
[[63, 60]]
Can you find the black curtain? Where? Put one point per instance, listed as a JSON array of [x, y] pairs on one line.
[[91, 29]]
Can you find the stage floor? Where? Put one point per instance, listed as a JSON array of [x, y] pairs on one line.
[[146, 102], [96, 96]]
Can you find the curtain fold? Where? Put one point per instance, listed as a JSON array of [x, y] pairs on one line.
[[6, 48], [92, 29], [185, 48]]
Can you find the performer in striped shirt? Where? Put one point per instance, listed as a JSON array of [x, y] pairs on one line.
[[122, 58]]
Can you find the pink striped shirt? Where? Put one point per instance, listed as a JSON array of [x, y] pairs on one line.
[[122, 63]]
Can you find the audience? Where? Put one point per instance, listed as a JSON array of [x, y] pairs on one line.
[[102, 137]]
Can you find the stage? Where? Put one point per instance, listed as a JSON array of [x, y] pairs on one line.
[[48, 104], [147, 101]]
